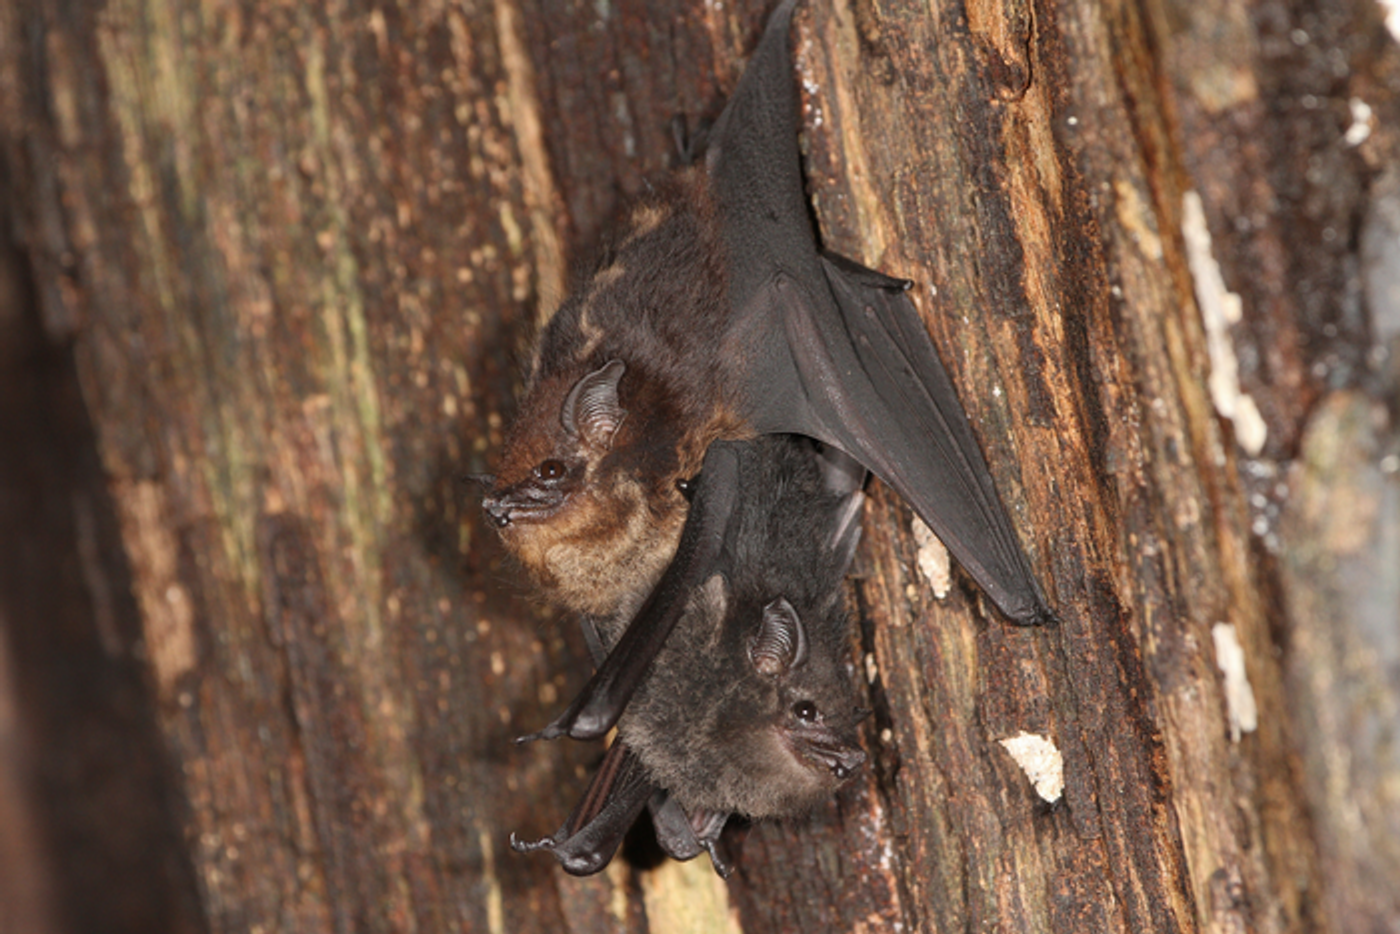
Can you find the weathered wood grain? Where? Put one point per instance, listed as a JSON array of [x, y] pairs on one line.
[[293, 254]]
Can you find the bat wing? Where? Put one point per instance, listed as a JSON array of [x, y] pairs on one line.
[[846, 360], [698, 555], [836, 351], [614, 798]]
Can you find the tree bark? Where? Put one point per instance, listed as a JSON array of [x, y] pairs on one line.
[[276, 266]]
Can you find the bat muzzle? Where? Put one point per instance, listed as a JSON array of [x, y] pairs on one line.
[[522, 504], [826, 750]]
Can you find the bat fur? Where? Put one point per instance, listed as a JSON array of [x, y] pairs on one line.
[[718, 317]]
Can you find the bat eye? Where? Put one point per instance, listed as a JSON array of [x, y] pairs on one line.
[[687, 488], [551, 470], [805, 710]]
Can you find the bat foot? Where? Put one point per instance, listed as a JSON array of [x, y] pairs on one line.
[[574, 857]]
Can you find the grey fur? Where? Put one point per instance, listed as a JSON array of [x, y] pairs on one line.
[[712, 730]]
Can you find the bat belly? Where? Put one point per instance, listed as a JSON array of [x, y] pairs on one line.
[[596, 566]]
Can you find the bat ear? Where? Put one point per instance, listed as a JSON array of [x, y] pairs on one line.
[[591, 412], [781, 642]]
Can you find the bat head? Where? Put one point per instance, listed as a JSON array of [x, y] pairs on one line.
[[761, 721], [816, 713], [566, 501], [555, 448]]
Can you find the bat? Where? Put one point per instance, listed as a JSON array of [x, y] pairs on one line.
[[717, 317], [747, 707]]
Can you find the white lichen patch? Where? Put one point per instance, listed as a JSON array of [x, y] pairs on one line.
[[1220, 308], [685, 897], [1040, 759], [1392, 17], [933, 559], [1136, 216], [1239, 696], [1361, 116]]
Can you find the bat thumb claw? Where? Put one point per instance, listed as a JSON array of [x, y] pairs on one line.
[[529, 846], [722, 868], [549, 732], [1041, 616]]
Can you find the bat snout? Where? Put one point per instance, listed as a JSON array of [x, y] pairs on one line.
[[843, 762], [826, 750], [522, 504], [498, 513]]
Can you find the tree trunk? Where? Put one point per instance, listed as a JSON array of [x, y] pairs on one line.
[[273, 275]]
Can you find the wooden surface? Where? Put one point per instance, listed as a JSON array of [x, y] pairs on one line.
[[273, 272]]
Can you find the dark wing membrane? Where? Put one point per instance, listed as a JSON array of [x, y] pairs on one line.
[[836, 351], [916, 437], [756, 171], [605, 696], [849, 363], [589, 838], [673, 831]]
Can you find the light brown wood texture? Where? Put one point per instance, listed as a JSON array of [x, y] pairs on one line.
[[270, 282]]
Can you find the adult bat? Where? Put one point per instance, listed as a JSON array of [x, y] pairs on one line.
[[801, 342], [747, 707], [717, 317]]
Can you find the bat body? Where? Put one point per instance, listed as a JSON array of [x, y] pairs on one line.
[[628, 390], [798, 342], [718, 317], [636, 485], [748, 706]]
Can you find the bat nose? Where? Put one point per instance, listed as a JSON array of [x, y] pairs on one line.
[[845, 762], [497, 511], [522, 504], [841, 755]]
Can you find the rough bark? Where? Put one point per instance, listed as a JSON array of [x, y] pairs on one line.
[[284, 260]]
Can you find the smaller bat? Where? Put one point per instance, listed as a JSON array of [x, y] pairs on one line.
[[747, 707]]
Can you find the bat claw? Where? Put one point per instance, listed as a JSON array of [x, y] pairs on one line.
[[722, 868], [550, 732], [529, 846]]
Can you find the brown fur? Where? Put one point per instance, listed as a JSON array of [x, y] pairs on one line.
[[657, 304], [590, 563]]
